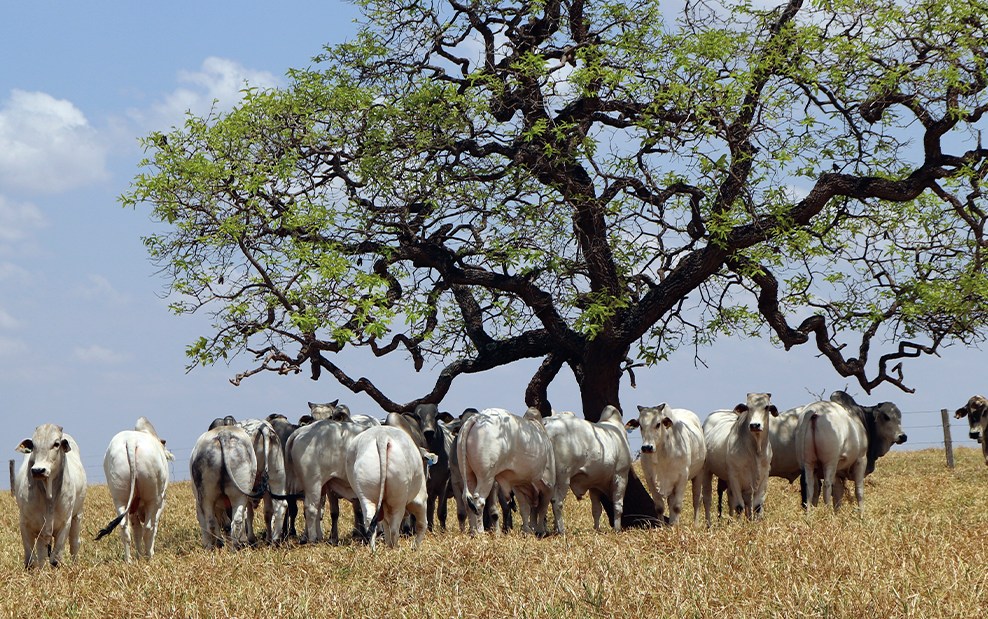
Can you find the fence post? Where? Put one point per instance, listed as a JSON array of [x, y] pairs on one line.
[[948, 446], [11, 477]]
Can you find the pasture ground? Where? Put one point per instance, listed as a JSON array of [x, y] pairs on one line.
[[919, 551]]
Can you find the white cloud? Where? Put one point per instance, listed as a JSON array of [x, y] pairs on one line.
[[97, 354], [218, 80], [7, 321], [18, 220], [47, 145], [99, 287]]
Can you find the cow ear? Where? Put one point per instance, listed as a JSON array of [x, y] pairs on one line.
[[65, 445], [666, 422], [773, 410], [741, 408], [960, 412], [640, 408], [445, 417], [632, 423], [661, 407], [26, 446]]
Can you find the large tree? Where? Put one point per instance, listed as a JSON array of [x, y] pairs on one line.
[[592, 184]]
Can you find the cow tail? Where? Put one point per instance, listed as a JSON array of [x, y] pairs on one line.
[[816, 455], [383, 447], [226, 470], [461, 455], [130, 498]]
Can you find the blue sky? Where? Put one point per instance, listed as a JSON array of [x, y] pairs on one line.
[[86, 340]]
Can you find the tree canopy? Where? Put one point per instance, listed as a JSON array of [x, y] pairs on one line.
[[594, 184]]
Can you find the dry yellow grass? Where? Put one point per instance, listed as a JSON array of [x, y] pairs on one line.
[[920, 551]]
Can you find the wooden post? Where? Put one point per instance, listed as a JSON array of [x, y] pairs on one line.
[[948, 446], [11, 477]]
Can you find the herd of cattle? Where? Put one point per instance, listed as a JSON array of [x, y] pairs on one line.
[[405, 469]]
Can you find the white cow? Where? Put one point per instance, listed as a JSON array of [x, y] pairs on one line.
[[739, 450], [315, 463], [269, 479], [516, 453], [50, 488], [841, 439], [223, 468], [592, 457], [490, 516], [384, 469], [976, 411], [136, 468], [673, 453]]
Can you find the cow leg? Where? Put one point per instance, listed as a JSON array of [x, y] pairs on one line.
[[239, 521], [29, 540], [205, 524], [443, 509], [827, 480], [697, 484], [559, 498], [809, 479], [416, 509], [334, 518], [58, 544], [312, 505], [859, 475], [676, 500], [707, 494], [597, 510], [477, 502], [737, 498], [127, 535]]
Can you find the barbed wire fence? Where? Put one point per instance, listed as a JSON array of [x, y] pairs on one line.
[[939, 419]]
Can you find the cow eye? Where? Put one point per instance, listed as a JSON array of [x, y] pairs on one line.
[[885, 417], [55, 446]]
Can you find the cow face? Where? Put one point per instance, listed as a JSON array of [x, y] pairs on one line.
[[888, 424], [322, 411], [976, 411], [654, 423], [46, 448], [757, 412], [425, 416]]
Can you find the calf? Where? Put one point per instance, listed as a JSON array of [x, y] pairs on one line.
[[384, 469], [50, 488], [496, 446], [592, 457], [269, 480], [223, 467], [841, 439], [976, 411], [673, 453], [316, 465], [136, 468], [739, 450]]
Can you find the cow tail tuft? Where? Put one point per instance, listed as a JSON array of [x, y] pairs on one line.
[[110, 526]]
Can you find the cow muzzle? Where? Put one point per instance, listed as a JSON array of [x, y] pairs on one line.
[[975, 436], [648, 448], [39, 472], [900, 439], [755, 427]]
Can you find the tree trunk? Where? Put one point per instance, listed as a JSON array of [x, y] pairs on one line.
[[600, 380]]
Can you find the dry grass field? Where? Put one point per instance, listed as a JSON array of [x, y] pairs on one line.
[[919, 551]]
